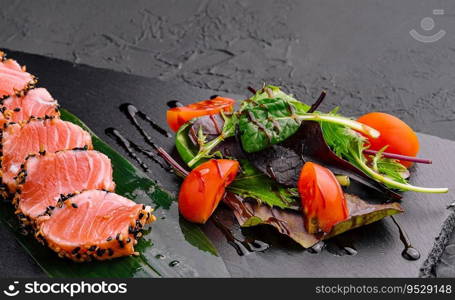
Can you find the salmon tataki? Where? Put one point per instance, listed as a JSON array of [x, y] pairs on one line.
[[14, 80], [45, 177], [51, 135], [36, 103], [62, 190], [94, 224]]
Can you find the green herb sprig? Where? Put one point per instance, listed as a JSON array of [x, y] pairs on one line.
[[349, 144]]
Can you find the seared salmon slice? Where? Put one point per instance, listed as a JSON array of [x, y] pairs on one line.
[[36, 136], [94, 224], [37, 103], [14, 80], [44, 178]]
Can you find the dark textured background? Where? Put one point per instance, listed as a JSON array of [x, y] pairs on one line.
[[360, 51]]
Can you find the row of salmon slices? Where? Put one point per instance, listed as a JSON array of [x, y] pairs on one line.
[[61, 188]]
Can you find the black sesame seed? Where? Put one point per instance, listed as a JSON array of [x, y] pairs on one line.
[[17, 109], [121, 244], [92, 248], [109, 239], [110, 252], [100, 252], [76, 250], [117, 237], [74, 205]]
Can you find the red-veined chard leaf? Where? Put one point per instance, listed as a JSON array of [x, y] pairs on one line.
[[290, 222]]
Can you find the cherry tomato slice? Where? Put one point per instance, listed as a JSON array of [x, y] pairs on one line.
[[396, 134], [177, 116], [204, 187], [322, 198]]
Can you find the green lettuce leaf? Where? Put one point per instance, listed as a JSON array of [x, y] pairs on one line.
[[252, 183]]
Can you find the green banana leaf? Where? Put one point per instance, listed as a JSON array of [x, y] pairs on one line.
[[172, 247]]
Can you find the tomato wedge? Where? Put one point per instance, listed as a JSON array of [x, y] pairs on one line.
[[204, 187], [177, 116], [396, 134], [322, 198]]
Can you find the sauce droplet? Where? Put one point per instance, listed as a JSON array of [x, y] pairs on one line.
[[241, 247], [174, 263], [410, 253], [174, 103], [317, 248], [350, 250]]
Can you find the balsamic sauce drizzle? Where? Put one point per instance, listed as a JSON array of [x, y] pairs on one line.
[[340, 246], [409, 252], [132, 149], [335, 246], [127, 145], [131, 111], [241, 247]]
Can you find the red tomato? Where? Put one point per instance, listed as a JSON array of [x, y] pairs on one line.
[[395, 133], [204, 187], [322, 198], [177, 116]]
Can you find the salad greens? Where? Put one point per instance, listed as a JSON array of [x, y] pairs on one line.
[[290, 222], [349, 145], [266, 190], [270, 117], [268, 120], [205, 148]]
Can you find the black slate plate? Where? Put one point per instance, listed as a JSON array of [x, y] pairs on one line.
[[95, 95]]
